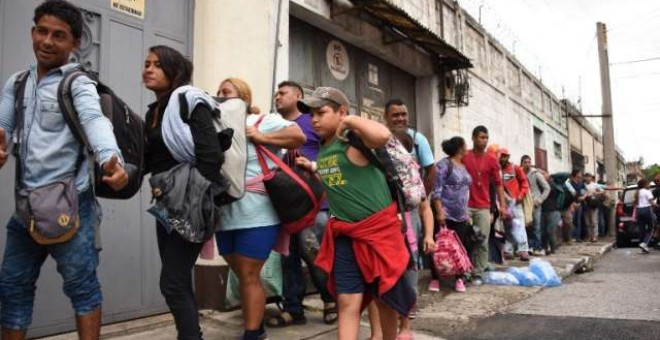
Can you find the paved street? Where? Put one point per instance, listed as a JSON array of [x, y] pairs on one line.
[[441, 315], [619, 300]]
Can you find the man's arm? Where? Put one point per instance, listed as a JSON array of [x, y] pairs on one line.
[[522, 181], [425, 159], [503, 204], [96, 126], [496, 177], [7, 115], [570, 187], [98, 130], [429, 178], [373, 134], [289, 137], [545, 188], [426, 215]]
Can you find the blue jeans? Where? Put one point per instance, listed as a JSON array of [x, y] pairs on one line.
[[550, 221], [577, 222], [417, 255], [602, 221], [645, 221], [534, 234], [77, 260], [304, 246]]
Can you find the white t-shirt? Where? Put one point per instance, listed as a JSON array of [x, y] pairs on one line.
[[645, 198], [592, 188]]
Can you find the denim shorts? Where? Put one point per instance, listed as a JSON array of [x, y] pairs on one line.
[[77, 260], [255, 243]]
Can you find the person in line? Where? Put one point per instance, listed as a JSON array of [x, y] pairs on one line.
[[594, 195], [397, 120], [166, 71], [425, 215], [49, 153], [363, 248], [451, 192], [551, 217], [644, 203], [304, 245], [578, 191], [484, 170], [249, 227], [540, 190], [516, 188], [237, 88]]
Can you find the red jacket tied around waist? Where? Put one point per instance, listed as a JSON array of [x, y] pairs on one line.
[[379, 247]]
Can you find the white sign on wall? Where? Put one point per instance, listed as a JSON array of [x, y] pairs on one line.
[[337, 59], [131, 7]]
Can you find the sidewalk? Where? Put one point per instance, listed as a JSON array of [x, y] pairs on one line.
[[439, 315]]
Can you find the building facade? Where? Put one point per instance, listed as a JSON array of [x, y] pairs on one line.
[[450, 72]]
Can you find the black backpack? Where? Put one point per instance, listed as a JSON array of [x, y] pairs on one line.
[[128, 128]]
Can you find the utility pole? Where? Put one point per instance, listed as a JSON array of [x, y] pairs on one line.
[[609, 149]]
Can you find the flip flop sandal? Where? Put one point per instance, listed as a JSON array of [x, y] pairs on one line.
[[285, 319], [330, 313]]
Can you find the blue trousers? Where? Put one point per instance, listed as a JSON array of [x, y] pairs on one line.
[[77, 260]]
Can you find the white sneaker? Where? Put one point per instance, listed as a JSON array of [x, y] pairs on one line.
[[644, 248]]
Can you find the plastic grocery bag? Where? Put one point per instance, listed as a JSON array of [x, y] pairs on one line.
[[271, 280], [543, 269], [500, 278], [525, 276]]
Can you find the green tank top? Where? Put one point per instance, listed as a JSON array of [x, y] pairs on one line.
[[353, 192]]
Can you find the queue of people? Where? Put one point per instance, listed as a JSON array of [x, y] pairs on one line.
[[355, 250]]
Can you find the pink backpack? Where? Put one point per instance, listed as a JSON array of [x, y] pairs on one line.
[[450, 257]]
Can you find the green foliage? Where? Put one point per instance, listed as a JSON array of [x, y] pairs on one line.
[[651, 170]]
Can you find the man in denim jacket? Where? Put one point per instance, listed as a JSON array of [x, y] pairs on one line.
[[49, 152]]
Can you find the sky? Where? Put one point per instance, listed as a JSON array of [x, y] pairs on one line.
[[556, 40]]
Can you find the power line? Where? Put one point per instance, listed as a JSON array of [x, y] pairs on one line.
[[634, 61]]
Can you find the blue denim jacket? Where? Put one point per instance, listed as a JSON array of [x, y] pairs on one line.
[[49, 150]]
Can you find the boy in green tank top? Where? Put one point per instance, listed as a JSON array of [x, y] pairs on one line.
[[365, 225]]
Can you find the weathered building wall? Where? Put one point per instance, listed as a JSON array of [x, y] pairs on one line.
[[504, 97]]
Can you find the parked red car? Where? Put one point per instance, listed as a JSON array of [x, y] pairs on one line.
[[627, 231]]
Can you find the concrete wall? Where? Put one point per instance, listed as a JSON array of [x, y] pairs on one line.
[[235, 39], [504, 96], [238, 39]]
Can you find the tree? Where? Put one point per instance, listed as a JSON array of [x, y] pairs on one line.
[[651, 170]]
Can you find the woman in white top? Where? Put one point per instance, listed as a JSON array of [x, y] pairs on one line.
[[645, 218]]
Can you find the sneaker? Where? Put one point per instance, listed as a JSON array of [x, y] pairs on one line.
[[477, 282], [538, 252], [459, 286], [644, 248], [434, 286], [413, 313]]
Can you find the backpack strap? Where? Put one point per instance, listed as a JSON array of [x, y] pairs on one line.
[[396, 191], [19, 110], [65, 100], [357, 142]]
